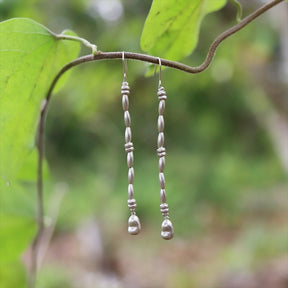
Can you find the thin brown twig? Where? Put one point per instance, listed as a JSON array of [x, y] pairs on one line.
[[118, 55], [40, 206]]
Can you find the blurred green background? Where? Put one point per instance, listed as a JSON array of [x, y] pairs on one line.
[[227, 156]]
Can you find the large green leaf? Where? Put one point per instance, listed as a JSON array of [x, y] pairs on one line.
[[17, 220], [30, 57], [13, 275], [172, 26]]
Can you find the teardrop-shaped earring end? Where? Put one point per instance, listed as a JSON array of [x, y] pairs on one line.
[[134, 225], [167, 230]]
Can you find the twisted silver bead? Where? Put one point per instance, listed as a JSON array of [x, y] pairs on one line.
[[134, 225], [167, 230]]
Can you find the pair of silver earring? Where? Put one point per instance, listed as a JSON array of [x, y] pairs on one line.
[[134, 225]]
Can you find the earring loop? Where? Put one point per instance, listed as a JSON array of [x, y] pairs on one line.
[[160, 72], [125, 67]]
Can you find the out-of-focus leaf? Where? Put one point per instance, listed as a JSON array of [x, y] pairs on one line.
[[12, 275], [30, 57], [172, 26], [28, 172], [17, 219]]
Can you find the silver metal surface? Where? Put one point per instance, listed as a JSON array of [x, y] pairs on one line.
[[128, 134], [160, 123], [160, 141], [162, 180], [130, 159], [134, 225], [127, 118], [161, 164], [163, 196], [130, 191], [131, 175], [167, 230]]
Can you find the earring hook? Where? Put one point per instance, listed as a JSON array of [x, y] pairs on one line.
[[125, 67], [160, 76]]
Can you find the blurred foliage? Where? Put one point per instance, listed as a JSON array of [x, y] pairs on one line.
[[219, 156], [172, 27]]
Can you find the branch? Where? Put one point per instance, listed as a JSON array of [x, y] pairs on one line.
[[98, 55], [155, 60], [78, 39]]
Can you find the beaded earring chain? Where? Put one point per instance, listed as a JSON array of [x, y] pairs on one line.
[[134, 225], [167, 230]]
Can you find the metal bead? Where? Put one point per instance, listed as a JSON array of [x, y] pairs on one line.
[[161, 91], [160, 139], [132, 204], [164, 97], [127, 118], [134, 225], [161, 164], [161, 107], [160, 123], [125, 89], [167, 230], [130, 191], [161, 151], [131, 175], [130, 159], [129, 147], [163, 205], [125, 102], [162, 180], [164, 209], [128, 134], [163, 196]]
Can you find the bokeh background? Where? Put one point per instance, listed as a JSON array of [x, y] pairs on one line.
[[227, 163]]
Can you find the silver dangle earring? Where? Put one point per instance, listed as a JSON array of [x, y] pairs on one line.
[[167, 230], [134, 225]]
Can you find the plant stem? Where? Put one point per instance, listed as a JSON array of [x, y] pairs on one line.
[[40, 212], [93, 47], [176, 65]]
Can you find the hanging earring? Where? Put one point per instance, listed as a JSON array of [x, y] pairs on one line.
[[134, 225], [167, 230]]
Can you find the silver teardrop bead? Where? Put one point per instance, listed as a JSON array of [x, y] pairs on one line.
[[167, 230], [134, 225]]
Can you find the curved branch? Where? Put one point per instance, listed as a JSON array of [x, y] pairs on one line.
[[173, 64]]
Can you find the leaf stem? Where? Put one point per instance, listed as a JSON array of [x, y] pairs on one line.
[[93, 47], [239, 9]]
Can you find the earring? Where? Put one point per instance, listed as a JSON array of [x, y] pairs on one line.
[[167, 230], [134, 225]]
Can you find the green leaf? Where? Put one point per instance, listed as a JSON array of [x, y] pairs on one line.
[[17, 220], [30, 57], [172, 26], [28, 172], [12, 275]]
